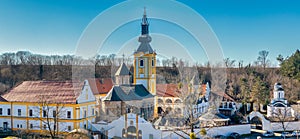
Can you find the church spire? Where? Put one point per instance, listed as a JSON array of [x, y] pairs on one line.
[[145, 23]]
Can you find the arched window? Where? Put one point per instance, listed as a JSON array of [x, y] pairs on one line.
[[141, 63], [131, 132], [168, 109], [160, 101], [178, 111], [123, 133], [152, 63], [169, 101], [177, 101]]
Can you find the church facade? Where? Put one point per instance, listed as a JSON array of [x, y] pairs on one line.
[[279, 108]]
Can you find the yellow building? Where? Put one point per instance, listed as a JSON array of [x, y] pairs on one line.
[[38, 106], [145, 61]]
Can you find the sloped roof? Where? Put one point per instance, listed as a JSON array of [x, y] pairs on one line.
[[50, 91], [100, 85], [145, 47], [123, 70], [128, 93], [2, 99], [167, 90], [199, 101], [209, 116], [224, 95]]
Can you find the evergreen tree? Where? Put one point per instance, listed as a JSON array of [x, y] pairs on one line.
[[290, 67]]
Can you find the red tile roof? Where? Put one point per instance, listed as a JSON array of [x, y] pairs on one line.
[[167, 90], [100, 85], [51, 91]]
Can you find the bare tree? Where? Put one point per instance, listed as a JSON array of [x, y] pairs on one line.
[[262, 58], [52, 112], [283, 116]]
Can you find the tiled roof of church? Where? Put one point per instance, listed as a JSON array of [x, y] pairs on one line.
[[128, 93], [50, 91], [144, 46], [100, 85], [123, 70]]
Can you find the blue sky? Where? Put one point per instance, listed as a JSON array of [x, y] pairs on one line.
[[243, 27]]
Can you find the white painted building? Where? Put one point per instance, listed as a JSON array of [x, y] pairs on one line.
[[279, 106], [129, 126]]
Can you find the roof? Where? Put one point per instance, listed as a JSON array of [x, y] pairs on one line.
[[128, 93], [123, 70], [214, 117], [50, 91], [145, 47], [224, 95], [167, 90], [2, 99], [100, 85], [199, 101]]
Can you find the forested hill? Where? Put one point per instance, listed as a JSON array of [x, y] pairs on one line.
[[244, 83]]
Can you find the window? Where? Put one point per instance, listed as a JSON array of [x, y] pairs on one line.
[[31, 126], [84, 114], [151, 136], [45, 127], [18, 126], [0, 111], [141, 63], [84, 126], [93, 111], [8, 111], [69, 114], [30, 112], [54, 113], [44, 113], [69, 128], [152, 63], [19, 112]]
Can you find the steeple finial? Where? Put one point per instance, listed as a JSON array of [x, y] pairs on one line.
[[144, 23], [123, 56]]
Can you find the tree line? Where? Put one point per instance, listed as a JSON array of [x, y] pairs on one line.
[[252, 82]]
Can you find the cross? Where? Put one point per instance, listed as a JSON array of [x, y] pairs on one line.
[[123, 57]]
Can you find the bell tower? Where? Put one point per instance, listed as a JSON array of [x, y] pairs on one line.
[[145, 62]]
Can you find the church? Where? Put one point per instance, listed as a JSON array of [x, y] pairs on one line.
[[279, 107]]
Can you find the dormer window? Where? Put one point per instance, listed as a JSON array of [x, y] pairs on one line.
[[141, 63]]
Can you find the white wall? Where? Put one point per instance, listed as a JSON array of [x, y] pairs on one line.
[[22, 124], [63, 126], [290, 126], [23, 110], [4, 109], [119, 124], [8, 120], [86, 94], [226, 130], [223, 130], [35, 124]]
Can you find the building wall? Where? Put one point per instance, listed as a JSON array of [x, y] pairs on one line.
[[211, 132], [174, 103]]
